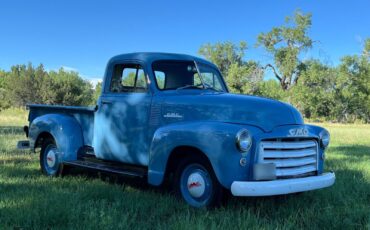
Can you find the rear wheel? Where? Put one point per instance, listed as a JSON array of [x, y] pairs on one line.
[[197, 184], [49, 158]]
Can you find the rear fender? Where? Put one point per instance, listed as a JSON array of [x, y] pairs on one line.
[[65, 130]]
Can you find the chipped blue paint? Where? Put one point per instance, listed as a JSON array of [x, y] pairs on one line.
[[144, 128], [63, 128]]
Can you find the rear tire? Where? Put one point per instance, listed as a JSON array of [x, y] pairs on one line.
[[50, 159], [197, 184]]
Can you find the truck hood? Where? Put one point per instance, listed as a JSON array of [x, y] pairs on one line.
[[232, 108]]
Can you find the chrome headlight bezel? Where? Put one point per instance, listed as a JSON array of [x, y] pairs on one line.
[[324, 139], [244, 140]]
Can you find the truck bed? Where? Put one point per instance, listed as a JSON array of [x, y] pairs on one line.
[[83, 114]]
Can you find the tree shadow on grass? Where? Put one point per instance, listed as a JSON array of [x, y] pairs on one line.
[[138, 183], [11, 172], [353, 151], [19, 159], [346, 199], [315, 207], [11, 130]]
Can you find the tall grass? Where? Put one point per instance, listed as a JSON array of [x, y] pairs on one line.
[[13, 117], [29, 200]]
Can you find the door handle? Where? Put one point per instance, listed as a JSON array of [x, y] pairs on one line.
[[106, 102]]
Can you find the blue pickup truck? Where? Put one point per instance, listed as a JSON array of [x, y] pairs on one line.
[[171, 117]]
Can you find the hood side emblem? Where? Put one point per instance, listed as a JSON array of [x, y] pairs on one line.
[[173, 115]]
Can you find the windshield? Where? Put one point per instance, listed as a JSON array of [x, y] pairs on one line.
[[184, 75]]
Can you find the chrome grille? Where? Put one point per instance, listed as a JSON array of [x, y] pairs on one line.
[[292, 157]]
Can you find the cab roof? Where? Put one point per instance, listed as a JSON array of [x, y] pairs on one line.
[[150, 57]]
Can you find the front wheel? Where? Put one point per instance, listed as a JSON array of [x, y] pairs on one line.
[[49, 158], [197, 184]]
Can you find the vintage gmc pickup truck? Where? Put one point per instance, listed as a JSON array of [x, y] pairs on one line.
[[165, 116]]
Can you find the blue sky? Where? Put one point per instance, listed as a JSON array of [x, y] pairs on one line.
[[83, 35]]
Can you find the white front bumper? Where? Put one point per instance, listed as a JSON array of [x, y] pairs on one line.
[[284, 186]]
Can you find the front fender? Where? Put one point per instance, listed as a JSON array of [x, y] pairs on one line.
[[65, 129], [215, 139]]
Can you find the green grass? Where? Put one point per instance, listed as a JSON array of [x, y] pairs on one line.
[[13, 117], [29, 200]]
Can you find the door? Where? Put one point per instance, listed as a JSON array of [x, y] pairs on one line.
[[122, 119]]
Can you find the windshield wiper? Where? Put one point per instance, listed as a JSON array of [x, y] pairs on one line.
[[200, 75], [196, 87], [188, 87], [214, 89]]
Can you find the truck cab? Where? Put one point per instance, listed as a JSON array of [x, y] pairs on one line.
[[170, 116]]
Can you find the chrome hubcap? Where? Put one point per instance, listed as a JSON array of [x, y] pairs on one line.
[[51, 158], [196, 185]]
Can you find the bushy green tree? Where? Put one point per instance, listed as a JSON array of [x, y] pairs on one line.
[[314, 95], [22, 84], [244, 78], [241, 76], [366, 50], [285, 43], [25, 84], [4, 100], [353, 87], [271, 89], [97, 93], [224, 54], [70, 88]]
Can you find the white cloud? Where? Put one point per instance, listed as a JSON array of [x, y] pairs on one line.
[[70, 69], [359, 39], [94, 81]]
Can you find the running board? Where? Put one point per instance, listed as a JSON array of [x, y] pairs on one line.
[[100, 166]]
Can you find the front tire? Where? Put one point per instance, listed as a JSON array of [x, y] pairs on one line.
[[197, 184], [49, 158]]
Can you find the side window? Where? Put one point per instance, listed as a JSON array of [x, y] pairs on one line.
[[160, 78], [128, 78], [141, 81], [197, 81]]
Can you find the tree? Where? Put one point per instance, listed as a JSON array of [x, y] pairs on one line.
[[224, 54], [314, 94], [241, 76], [286, 43], [70, 88], [97, 92], [22, 84], [29, 84], [244, 78], [4, 100], [366, 50], [353, 87], [271, 89]]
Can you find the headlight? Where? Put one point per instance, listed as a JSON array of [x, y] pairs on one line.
[[243, 140], [324, 138]]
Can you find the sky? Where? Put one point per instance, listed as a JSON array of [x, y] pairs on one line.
[[83, 35]]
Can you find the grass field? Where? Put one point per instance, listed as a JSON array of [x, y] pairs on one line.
[[29, 200]]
